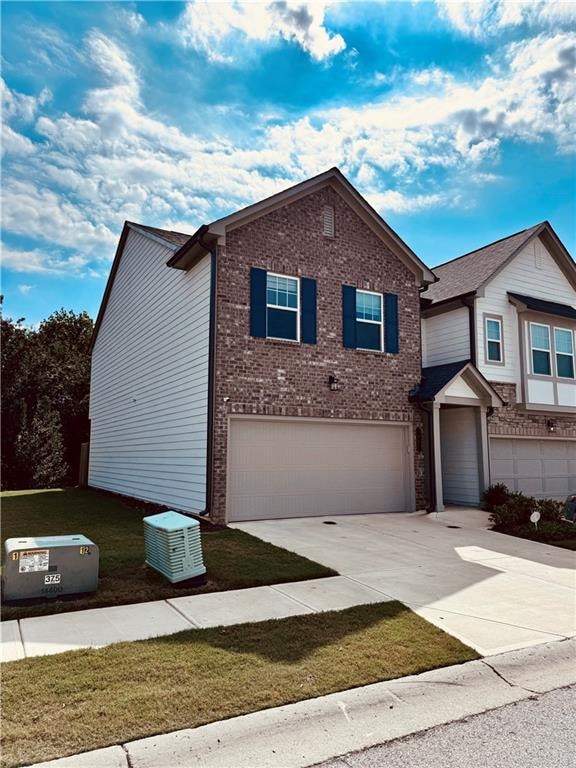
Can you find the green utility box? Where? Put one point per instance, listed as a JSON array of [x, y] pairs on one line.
[[49, 566]]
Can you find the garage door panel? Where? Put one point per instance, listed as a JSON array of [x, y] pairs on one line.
[[307, 480], [299, 469], [557, 486], [541, 468]]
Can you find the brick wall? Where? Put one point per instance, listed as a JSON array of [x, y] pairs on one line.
[[512, 421], [276, 378]]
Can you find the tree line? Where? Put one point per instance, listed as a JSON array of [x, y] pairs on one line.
[[45, 393]]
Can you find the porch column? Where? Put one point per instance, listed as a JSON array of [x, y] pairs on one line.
[[437, 457], [484, 455]]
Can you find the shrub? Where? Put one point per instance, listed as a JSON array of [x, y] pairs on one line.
[[550, 510], [514, 512], [547, 531], [495, 496]]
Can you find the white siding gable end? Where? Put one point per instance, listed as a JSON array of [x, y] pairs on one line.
[[532, 272], [149, 385]]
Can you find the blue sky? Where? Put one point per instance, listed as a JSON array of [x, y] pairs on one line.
[[454, 119]]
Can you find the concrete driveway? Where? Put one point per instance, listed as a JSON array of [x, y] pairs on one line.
[[494, 592]]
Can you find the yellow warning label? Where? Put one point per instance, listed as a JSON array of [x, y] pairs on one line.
[[84, 550]]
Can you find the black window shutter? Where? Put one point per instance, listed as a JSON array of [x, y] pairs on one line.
[[258, 302], [391, 322], [308, 297], [349, 316]]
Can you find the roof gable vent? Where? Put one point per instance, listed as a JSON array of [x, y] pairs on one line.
[[328, 221], [538, 255]]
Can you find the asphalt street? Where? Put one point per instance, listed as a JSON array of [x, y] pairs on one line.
[[534, 733]]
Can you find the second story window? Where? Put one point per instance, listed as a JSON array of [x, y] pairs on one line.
[[368, 320], [493, 340], [282, 307], [540, 347], [564, 345]]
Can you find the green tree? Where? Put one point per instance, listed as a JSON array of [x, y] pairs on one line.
[[40, 448], [48, 365]]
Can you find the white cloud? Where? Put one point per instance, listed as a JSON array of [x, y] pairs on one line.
[[35, 211], [483, 18], [15, 143], [215, 27], [134, 21], [393, 201], [41, 262], [24, 289], [19, 106], [72, 186]]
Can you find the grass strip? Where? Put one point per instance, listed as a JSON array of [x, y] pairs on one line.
[[78, 701]]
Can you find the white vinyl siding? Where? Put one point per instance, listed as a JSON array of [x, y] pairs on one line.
[[460, 456], [521, 276], [446, 337], [149, 386], [540, 468]]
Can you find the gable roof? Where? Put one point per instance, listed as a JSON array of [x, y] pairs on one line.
[[470, 272], [208, 234], [436, 378], [541, 305], [166, 237]]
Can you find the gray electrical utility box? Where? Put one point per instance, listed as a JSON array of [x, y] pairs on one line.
[[49, 566]]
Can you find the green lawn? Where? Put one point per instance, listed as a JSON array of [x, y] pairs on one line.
[[233, 559], [77, 701]]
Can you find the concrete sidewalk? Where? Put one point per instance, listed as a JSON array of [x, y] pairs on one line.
[[98, 627], [315, 730]]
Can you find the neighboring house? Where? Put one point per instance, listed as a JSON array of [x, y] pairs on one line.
[[262, 367], [498, 346]]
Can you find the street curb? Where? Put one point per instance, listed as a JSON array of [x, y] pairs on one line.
[[315, 730]]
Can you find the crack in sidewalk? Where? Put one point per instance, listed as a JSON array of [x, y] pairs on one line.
[[128, 758], [501, 676]]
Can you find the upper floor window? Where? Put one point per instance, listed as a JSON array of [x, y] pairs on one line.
[[494, 340], [564, 345], [369, 324], [540, 347], [282, 307]]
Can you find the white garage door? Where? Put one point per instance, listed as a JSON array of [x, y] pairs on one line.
[[285, 468], [540, 468]]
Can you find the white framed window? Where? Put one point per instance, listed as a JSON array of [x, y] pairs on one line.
[[369, 325], [564, 350], [282, 307], [540, 349], [493, 330]]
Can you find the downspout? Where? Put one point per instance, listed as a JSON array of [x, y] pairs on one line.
[[469, 302], [212, 250]]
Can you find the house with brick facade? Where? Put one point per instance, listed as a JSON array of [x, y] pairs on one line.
[[262, 367], [503, 316], [296, 358]]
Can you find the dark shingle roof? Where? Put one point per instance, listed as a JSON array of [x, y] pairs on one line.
[[176, 238], [467, 273], [550, 307], [434, 378]]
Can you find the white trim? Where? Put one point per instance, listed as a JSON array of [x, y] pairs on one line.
[[288, 309], [151, 236], [540, 349], [556, 353], [371, 322]]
